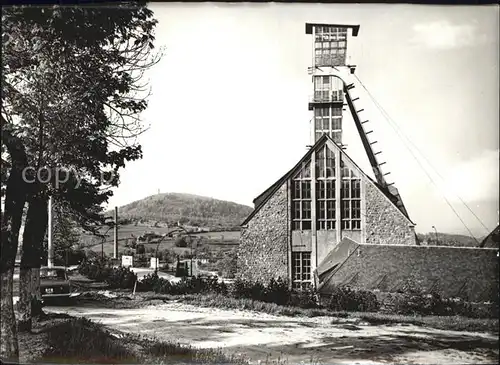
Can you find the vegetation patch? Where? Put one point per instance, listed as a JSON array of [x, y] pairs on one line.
[[79, 340]]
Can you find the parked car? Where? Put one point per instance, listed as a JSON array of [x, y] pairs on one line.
[[54, 282]]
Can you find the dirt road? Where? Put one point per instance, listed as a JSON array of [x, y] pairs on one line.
[[297, 339]]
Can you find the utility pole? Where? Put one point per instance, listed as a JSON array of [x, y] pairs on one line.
[[115, 246], [50, 248]]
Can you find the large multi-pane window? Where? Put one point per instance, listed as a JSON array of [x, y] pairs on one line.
[[322, 88], [350, 207], [325, 189], [301, 270], [328, 89], [330, 46], [328, 120], [301, 199]]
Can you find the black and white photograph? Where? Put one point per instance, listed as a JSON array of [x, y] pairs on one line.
[[250, 183]]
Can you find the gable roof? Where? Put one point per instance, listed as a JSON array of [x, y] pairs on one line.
[[260, 200], [493, 239]]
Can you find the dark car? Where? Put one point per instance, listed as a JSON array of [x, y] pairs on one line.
[[54, 282]]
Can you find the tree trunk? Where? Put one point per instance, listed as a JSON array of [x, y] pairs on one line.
[[34, 233], [35, 277], [9, 350], [15, 198], [24, 304]]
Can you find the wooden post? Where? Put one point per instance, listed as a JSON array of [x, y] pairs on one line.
[[115, 246]]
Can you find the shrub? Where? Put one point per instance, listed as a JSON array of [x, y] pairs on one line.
[[193, 285], [278, 292], [344, 298], [181, 241], [121, 278], [95, 269], [101, 270], [140, 249], [417, 302], [81, 341], [306, 299]]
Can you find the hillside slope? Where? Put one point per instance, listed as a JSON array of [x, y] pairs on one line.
[[187, 209], [448, 239]]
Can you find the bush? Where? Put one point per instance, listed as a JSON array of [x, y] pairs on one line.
[[121, 278], [181, 241], [306, 299], [101, 270], [416, 302], [344, 298], [81, 341], [95, 269], [193, 285], [278, 292]]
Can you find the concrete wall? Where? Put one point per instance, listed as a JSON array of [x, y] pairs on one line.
[[471, 273], [301, 241], [326, 241], [384, 222], [263, 248]]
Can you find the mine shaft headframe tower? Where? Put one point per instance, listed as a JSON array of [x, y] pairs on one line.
[[329, 47], [334, 84]]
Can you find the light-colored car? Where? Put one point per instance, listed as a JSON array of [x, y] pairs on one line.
[[54, 282]]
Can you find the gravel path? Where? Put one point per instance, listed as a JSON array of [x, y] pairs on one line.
[[260, 336]]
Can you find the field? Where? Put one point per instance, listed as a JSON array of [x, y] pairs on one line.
[[215, 241]]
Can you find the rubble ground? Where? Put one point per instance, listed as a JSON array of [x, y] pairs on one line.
[[262, 336]]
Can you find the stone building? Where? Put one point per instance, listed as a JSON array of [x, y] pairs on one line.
[[325, 196], [306, 213], [327, 223]]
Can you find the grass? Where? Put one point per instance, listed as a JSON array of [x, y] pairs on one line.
[[79, 340], [452, 323], [224, 302]]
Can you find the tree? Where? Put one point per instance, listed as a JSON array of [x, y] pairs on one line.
[[72, 96], [181, 241], [15, 198], [140, 250]]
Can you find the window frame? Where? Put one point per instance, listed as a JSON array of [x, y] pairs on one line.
[[301, 270]]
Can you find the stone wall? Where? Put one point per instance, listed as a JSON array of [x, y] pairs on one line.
[[263, 248], [471, 273], [384, 222]]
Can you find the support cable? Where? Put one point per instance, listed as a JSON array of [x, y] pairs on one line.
[[403, 136]]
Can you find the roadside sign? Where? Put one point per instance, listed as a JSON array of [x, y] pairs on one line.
[[127, 261]]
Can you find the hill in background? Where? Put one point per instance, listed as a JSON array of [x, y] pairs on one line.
[[187, 209], [448, 239]]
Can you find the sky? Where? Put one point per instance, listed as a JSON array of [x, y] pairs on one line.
[[228, 113]]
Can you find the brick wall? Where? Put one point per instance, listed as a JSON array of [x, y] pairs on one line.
[[384, 222], [263, 248], [471, 273]]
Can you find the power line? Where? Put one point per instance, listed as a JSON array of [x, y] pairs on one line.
[[401, 134]]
